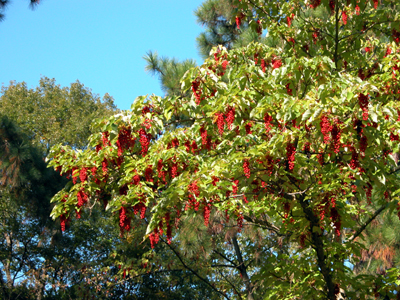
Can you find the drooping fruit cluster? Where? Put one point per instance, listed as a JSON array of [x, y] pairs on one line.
[[326, 128], [194, 193], [144, 140], [83, 174], [207, 206], [220, 123], [196, 90], [230, 117], [290, 155], [125, 140], [246, 168], [124, 220], [267, 122], [354, 163]]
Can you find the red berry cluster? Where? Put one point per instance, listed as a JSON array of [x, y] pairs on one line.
[[105, 138], [246, 168], [276, 63], [315, 36], [259, 27], [136, 179], [230, 117], [206, 212], [326, 128], [290, 154], [315, 3], [375, 3], [263, 66], [82, 198], [354, 163], [203, 134], [289, 20], [193, 190], [187, 145], [247, 127], [196, 90], [125, 140], [174, 169], [238, 21], [394, 137], [267, 122], [161, 173], [83, 175], [141, 206], [144, 140], [344, 17], [104, 165], [194, 147], [307, 147], [235, 187], [220, 123], [148, 173], [63, 221], [154, 237], [332, 5], [357, 10], [145, 110], [363, 102], [388, 51], [224, 64], [215, 180], [124, 220], [94, 171]]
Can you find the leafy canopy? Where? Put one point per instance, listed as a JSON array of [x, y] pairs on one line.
[[297, 138]]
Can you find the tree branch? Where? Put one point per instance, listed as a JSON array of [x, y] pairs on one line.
[[361, 229], [193, 271]]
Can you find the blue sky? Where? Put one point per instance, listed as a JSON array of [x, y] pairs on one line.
[[100, 43]]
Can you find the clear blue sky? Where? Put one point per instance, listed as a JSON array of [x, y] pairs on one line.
[[100, 43]]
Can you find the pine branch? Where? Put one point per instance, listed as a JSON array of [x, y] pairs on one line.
[[361, 229], [193, 271]]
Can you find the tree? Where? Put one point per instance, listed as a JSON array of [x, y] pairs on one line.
[[293, 139], [32, 246], [51, 114]]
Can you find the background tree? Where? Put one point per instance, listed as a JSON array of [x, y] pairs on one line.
[[33, 245], [50, 114]]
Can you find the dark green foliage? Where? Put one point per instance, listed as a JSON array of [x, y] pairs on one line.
[[169, 71], [216, 16]]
